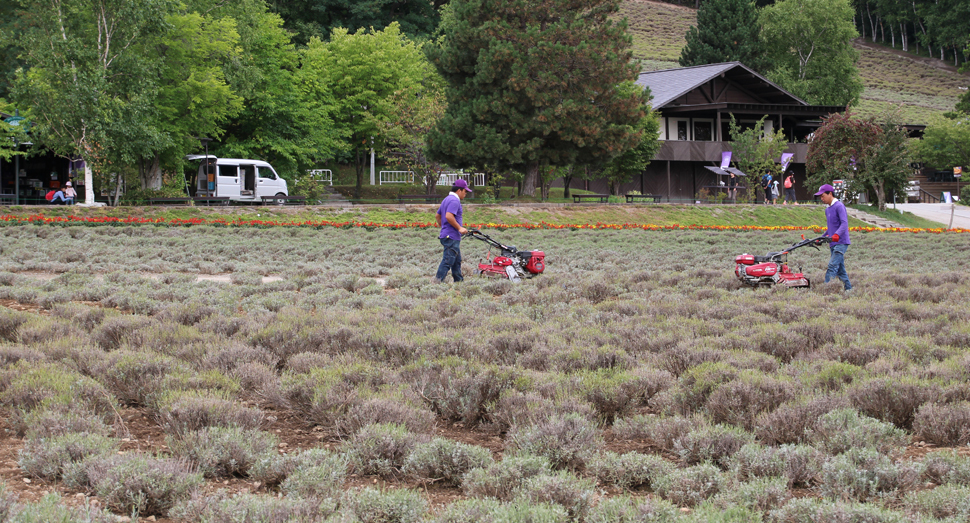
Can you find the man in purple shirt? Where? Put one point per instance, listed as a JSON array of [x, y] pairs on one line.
[[838, 229], [449, 218]]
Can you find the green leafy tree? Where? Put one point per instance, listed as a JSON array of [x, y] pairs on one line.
[[726, 31], [363, 71], [945, 143], [287, 116], [318, 18], [754, 151], [809, 45], [634, 161], [193, 97], [534, 83], [416, 110], [866, 155], [87, 85]]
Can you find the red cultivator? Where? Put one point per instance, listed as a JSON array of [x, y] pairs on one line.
[[772, 268], [511, 263]]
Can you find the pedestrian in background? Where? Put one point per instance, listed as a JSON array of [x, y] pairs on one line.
[[790, 190], [69, 194], [448, 218]]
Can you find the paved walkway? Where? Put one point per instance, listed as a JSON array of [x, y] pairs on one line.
[[938, 212]]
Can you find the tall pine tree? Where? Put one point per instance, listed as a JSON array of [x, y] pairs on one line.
[[534, 83], [726, 31]]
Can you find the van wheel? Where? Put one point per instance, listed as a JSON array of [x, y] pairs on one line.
[[280, 199]]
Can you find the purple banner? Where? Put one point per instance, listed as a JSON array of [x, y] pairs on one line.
[[786, 159], [725, 159]]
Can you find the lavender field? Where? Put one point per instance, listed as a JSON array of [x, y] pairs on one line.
[[219, 374]]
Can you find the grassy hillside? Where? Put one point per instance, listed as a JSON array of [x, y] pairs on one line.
[[924, 86]]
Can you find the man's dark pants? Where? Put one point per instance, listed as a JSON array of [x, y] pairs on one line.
[[450, 260]]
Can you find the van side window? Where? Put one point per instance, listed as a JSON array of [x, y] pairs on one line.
[[228, 170], [266, 172]]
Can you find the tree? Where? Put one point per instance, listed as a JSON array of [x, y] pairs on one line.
[[534, 83], [416, 110], [634, 161], [866, 155], [318, 18], [193, 97], [810, 48], [726, 31], [363, 71], [945, 143], [288, 106], [753, 150], [86, 83]]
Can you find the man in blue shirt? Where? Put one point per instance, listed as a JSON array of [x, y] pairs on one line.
[[448, 218], [58, 198], [837, 221]]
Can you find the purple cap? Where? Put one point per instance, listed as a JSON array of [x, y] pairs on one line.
[[462, 184], [824, 189]]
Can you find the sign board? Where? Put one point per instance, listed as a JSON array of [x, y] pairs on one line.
[[15, 120], [947, 198], [957, 172]]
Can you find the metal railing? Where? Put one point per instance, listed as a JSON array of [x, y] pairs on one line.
[[475, 179], [396, 177], [927, 197], [322, 175]]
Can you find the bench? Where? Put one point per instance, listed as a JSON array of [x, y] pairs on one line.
[[184, 200], [603, 198], [630, 198], [426, 198], [283, 200], [211, 200]]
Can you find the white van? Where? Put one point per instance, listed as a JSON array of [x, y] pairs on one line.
[[240, 180]]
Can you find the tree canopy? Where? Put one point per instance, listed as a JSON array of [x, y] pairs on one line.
[[726, 31], [945, 144], [318, 18], [810, 48], [534, 83]]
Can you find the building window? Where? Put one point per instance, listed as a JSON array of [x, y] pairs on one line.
[[704, 131], [682, 130]]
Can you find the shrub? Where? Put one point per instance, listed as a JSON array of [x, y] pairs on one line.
[[52, 509], [712, 512], [445, 460], [135, 483], [760, 495], [132, 376], [561, 488], [943, 425], [892, 399], [273, 469], [181, 413], [317, 480], [626, 471], [798, 464], [662, 430], [251, 508], [792, 422], [223, 451], [10, 322], [946, 501], [52, 386], [385, 410], [623, 509], [716, 444], [808, 510], [499, 480], [690, 486], [493, 511], [516, 408], [863, 473], [458, 390], [48, 457], [739, 402], [947, 466], [390, 506], [116, 330], [844, 429], [567, 441], [381, 449], [60, 421]]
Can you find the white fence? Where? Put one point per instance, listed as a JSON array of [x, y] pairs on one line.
[[475, 179], [396, 177], [322, 175]]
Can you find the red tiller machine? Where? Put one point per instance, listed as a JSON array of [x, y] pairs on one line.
[[772, 268], [511, 263]]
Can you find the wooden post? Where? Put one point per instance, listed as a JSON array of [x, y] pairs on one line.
[[669, 188]]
